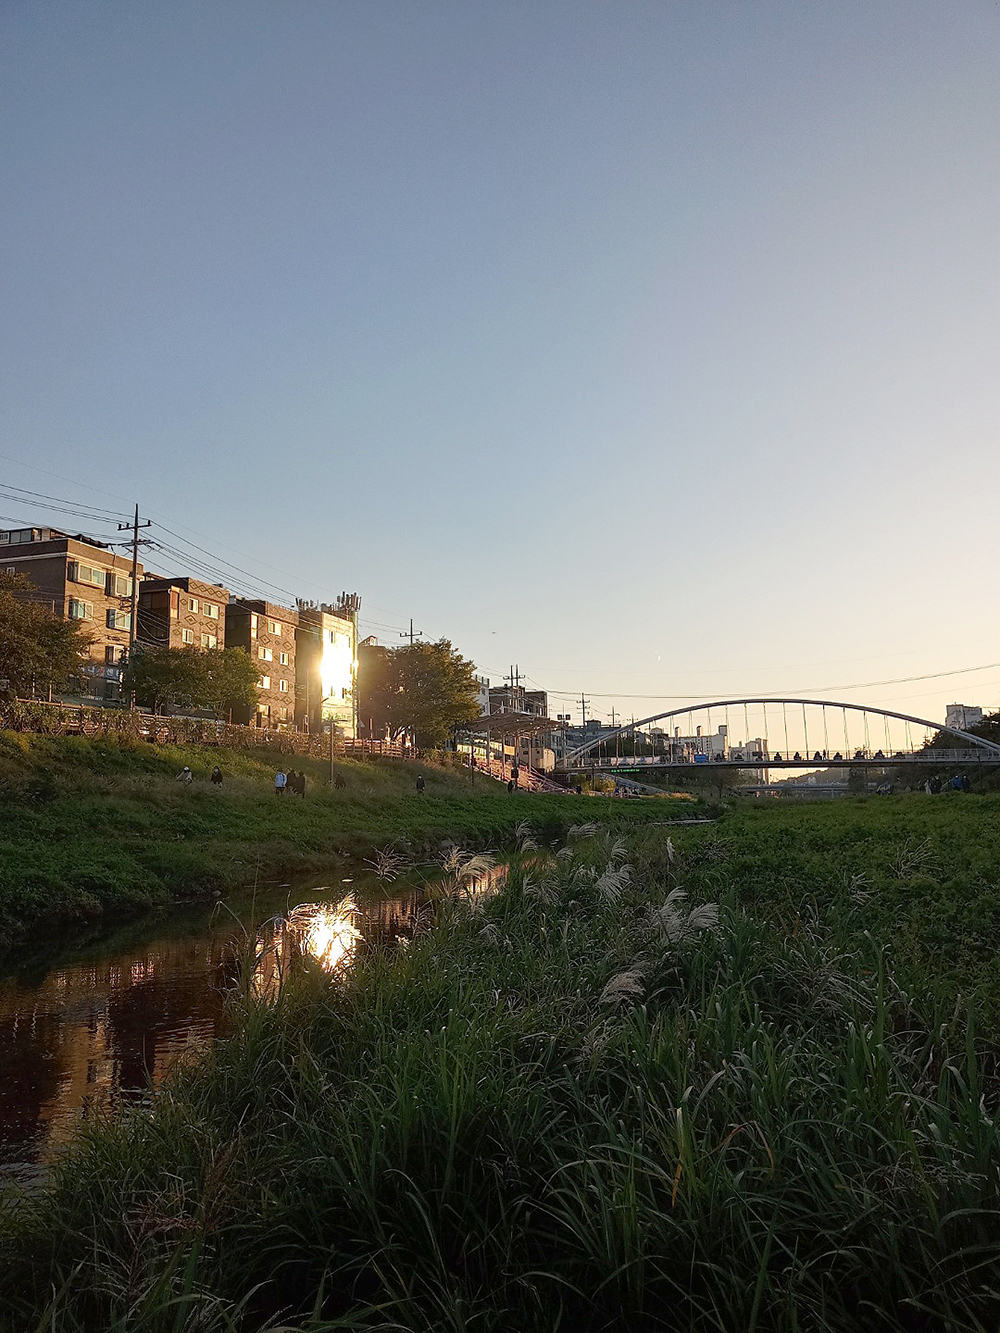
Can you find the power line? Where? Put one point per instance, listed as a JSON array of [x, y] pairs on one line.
[[799, 689], [40, 495], [153, 514], [218, 559]]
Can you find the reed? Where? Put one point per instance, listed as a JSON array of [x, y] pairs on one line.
[[596, 1099]]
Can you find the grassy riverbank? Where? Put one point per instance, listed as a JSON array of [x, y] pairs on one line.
[[587, 1103], [93, 826]]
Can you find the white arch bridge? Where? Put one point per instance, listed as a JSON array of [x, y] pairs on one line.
[[778, 733]]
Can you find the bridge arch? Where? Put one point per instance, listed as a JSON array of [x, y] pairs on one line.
[[990, 747]]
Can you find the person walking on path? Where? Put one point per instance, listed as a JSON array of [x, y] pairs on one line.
[[216, 776], [279, 783], [185, 775], [420, 783], [291, 781], [515, 773]]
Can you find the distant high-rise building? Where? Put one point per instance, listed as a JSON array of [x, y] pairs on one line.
[[962, 716]]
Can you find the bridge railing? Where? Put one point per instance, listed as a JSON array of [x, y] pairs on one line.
[[970, 754]]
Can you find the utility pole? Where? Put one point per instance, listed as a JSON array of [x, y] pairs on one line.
[[583, 707], [413, 634], [612, 717], [134, 529]]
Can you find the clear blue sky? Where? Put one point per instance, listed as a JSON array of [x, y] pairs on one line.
[[652, 347]]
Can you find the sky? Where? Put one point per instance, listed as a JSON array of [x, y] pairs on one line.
[[649, 347]]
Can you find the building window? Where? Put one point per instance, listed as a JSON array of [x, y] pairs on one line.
[[11, 569], [193, 605], [86, 574], [187, 635], [265, 654], [118, 585], [113, 654], [283, 659], [209, 641], [283, 686], [265, 682], [119, 619], [253, 626], [80, 610], [210, 610], [274, 626]]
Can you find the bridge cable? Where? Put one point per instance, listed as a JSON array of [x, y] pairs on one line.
[[847, 743], [826, 740], [805, 729], [784, 719]]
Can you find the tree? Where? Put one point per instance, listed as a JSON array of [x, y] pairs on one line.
[[161, 677], [425, 688], [230, 680], [39, 650], [218, 678]]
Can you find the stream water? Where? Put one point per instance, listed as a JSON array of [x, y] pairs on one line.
[[88, 1024]]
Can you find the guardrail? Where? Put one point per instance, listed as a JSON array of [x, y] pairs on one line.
[[36, 715]]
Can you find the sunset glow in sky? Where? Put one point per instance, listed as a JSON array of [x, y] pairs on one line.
[[651, 347]]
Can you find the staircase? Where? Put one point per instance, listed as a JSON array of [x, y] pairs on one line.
[[527, 778]]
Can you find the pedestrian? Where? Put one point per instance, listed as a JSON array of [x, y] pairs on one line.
[[515, 773], [510, 785], [279, 783], [291, 777], [216, 776], [420, 783], [300, 784], [185, 775], [339, 782]]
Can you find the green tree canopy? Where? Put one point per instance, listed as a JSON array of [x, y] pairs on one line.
[[38, 649], [230, 680], [425, 688], [216, 678]]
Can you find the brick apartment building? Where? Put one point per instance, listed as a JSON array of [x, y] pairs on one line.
[[81, 579], [182, 613], [267, 632], [326, 666]]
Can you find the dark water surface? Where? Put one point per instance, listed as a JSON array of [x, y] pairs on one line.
[[89, 1023]]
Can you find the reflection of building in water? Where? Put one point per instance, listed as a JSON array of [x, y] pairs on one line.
[[88, 1034], [323, 932]]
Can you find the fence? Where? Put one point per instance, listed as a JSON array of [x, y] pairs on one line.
[[81, 720]]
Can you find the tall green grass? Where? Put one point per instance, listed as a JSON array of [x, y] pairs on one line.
[[89, 827], [589, 1102]]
